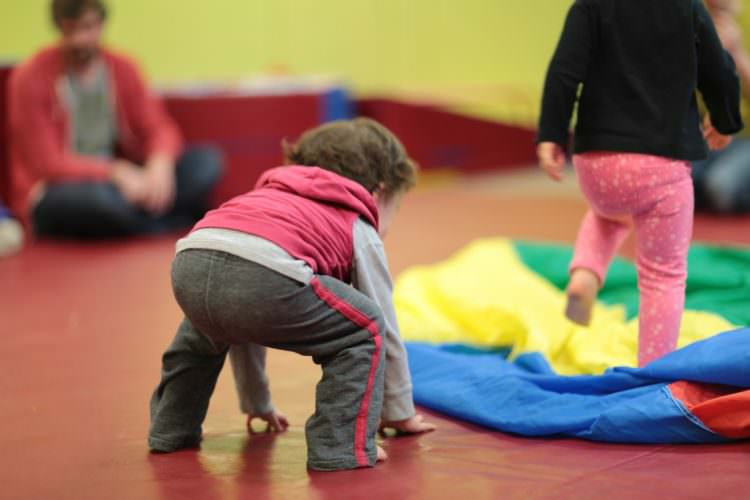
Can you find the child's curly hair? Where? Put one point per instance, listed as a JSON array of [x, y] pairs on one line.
[[361, 150]]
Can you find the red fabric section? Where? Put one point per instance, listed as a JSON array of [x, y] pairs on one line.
[[723, 409], [40, 129], [361, 320]]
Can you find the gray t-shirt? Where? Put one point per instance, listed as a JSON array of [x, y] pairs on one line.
[[93, 123], [370, 275]]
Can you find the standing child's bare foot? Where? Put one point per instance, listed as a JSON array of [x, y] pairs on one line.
[[582, 290], [382, 455]]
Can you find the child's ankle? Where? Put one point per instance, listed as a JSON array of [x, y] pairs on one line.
[[582, 290], [583, 282]]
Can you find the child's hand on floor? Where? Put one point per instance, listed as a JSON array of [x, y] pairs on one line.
[[551, 159], [276, 421], [413, 425]]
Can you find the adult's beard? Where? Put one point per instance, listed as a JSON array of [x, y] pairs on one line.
[[82, 56]]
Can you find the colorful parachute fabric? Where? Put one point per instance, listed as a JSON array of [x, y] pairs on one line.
[[488, 344]]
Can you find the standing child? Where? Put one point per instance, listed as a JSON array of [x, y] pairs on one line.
[[271, 268], [640, 63]]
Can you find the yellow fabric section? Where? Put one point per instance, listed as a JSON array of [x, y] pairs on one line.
[[486, 297]]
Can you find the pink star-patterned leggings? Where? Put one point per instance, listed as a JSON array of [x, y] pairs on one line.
[[653, 195]]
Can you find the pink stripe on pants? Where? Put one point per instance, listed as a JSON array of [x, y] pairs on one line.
[[655, 196]]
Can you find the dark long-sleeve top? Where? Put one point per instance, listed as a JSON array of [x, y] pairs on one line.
[[640, 63]]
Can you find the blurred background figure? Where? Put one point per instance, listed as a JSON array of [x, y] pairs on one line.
[[92, 152], [722, 182]]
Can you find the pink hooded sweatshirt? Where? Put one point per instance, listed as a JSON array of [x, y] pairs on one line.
[[307, 211]]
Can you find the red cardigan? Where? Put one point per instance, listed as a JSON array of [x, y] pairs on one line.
[[39, 126]]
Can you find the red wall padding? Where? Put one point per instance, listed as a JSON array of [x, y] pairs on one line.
[[439, 138], [249, 131]]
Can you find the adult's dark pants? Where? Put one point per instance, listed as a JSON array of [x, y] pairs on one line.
[[98, 209]]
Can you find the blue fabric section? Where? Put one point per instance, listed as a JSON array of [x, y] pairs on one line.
[[336, 105], [626, 405]]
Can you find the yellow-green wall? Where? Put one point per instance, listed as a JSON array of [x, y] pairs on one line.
[[372, 43], [491, 52]]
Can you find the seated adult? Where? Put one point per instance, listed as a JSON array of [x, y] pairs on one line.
[[93, 153], [722, 182]]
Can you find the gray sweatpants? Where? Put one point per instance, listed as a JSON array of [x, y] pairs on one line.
[[230, 300]]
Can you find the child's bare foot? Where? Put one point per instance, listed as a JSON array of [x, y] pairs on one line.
[[382, 455], [582, 290], [413, 425]]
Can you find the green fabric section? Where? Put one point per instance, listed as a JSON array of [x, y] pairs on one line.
[[718, 278]]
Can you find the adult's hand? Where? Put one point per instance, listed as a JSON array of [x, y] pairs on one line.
[[160, 185], [129, 180]]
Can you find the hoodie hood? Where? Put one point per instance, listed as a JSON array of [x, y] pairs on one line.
[[323, 186]]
